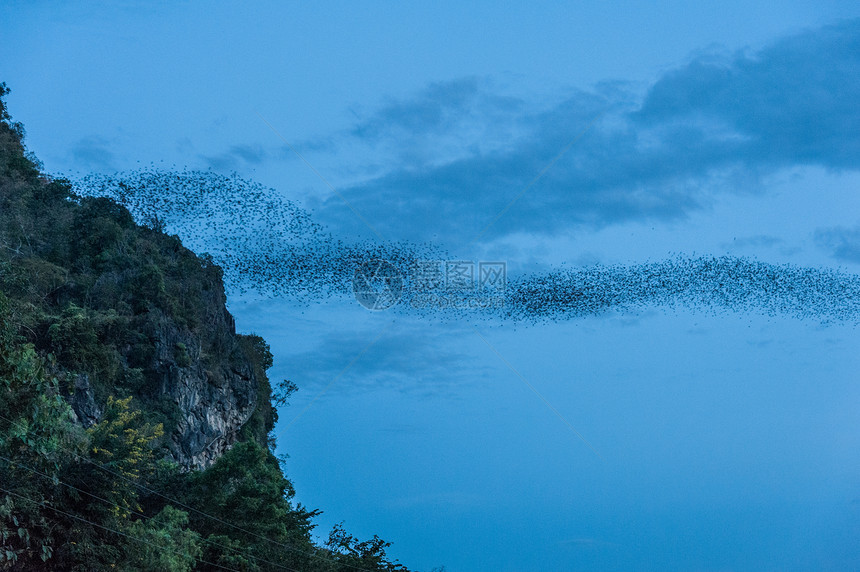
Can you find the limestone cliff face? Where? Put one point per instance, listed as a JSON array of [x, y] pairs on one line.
[[212, 399], [83, 401], [206, 380], [213, 404]]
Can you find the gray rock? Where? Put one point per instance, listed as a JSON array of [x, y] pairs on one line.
[[204, 374], [83, 402]]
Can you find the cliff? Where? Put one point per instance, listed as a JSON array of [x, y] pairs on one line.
[[125, 310]]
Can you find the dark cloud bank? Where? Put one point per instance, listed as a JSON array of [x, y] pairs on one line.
[[717, 124]]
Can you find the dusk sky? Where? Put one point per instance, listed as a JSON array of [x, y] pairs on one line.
[[550, 136]]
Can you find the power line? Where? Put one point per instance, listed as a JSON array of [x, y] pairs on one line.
[[139, 513], [200, 512], [109, 529]]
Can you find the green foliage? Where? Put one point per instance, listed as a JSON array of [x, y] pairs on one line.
[[281, 396], [13, 160], [4, 115], [176, 548], [180, 355], [36, 431], [249, 499], [121, 442], [256, 351], [73, 336], [369, 554], [100, 293]]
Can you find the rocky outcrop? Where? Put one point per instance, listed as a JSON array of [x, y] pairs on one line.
[[83, 401], [206, 377], [214, 395], [210, 396], [212, 412], [194, 373]]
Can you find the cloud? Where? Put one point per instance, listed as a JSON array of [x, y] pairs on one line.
[[792, 103], [842, 242], [604, 178], [433, 365], [436, 107], [718, 124], [235, 156], [93, 152]]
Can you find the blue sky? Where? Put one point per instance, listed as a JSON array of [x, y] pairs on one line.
[[627, 134]]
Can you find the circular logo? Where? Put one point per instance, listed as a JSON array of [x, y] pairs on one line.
[[377, 284]]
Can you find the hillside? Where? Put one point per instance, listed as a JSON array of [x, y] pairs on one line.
[[134, 421]]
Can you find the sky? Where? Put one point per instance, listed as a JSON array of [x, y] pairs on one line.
[[551, 137]]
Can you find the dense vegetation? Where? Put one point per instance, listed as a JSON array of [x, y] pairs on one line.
[[84, 291]]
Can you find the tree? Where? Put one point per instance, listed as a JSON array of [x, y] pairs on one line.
[[248, 500], [36, 432], [351, 553], [163, 543]]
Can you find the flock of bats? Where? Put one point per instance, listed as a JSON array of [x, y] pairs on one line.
[[266, 243]]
